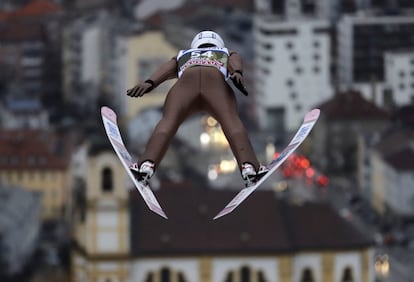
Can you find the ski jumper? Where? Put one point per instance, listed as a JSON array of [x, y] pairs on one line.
[[201, 86]]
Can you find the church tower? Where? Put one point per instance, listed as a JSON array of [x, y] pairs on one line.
[[101, 216]]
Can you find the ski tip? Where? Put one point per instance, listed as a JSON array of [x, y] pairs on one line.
[[225, 211], [164, 216], [312, 115], [157, 209], [105, 109], [217, 216], [108, 112]]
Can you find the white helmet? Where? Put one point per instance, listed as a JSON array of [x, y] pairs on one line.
[[207, 37]]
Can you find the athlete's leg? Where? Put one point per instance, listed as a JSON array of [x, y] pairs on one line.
[[179, 103]]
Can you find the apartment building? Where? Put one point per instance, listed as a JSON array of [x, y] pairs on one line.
[[385, 170], [399, 78], [29, 53], [362, 44], [37, 160], [292, 67]]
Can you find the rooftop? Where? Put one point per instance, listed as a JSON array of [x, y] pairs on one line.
[[33, 149], [34, 8], [261, 225], [21, 32], [402, 160], [351, 105]]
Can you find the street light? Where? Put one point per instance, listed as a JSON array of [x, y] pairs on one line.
[[382, 265]]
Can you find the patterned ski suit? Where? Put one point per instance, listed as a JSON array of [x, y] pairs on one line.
[[201, 86]]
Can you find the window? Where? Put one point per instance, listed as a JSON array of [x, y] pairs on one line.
[[31, 160], [261, 277], [321, 30], [279, 32], [289, 45], [246, 274], [107, 180], [150, 277], [181, 277], [165, 275], [14, 160], [347, 275], [229, 277], [267, 58], [307, 276], [276, 119], [267, 46]]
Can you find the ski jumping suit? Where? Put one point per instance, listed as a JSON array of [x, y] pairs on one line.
[[201, 86]]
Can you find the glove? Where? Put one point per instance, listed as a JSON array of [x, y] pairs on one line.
[[141, 89], [237, 78]]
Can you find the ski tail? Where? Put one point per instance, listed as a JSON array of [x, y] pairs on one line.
[[308, 122]]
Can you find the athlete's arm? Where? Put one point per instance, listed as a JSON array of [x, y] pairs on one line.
[[166, 71], [235, 68]]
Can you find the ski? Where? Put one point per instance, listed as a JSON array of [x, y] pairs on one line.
[[109, 119], [308, 122]]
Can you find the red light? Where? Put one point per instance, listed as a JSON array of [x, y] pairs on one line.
[[288, 172], [322, 180], [310, 172], [304, 163]]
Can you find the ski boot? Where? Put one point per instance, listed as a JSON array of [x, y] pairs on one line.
[[250, 175], [261, 172], [143, 172]]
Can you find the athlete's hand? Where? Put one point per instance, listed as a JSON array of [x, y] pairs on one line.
[[237, 78], [140, 89]]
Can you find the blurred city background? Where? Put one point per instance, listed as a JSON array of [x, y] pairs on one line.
[[341, 209]]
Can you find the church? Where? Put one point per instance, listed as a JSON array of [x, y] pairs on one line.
[[266, 239]]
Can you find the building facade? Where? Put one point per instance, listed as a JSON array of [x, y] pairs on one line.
[[399, 78], [30, 50], [37, 160], [343, 118], [385, 173], [137, 57], [362, 44], [23, 113], [292, 69]]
